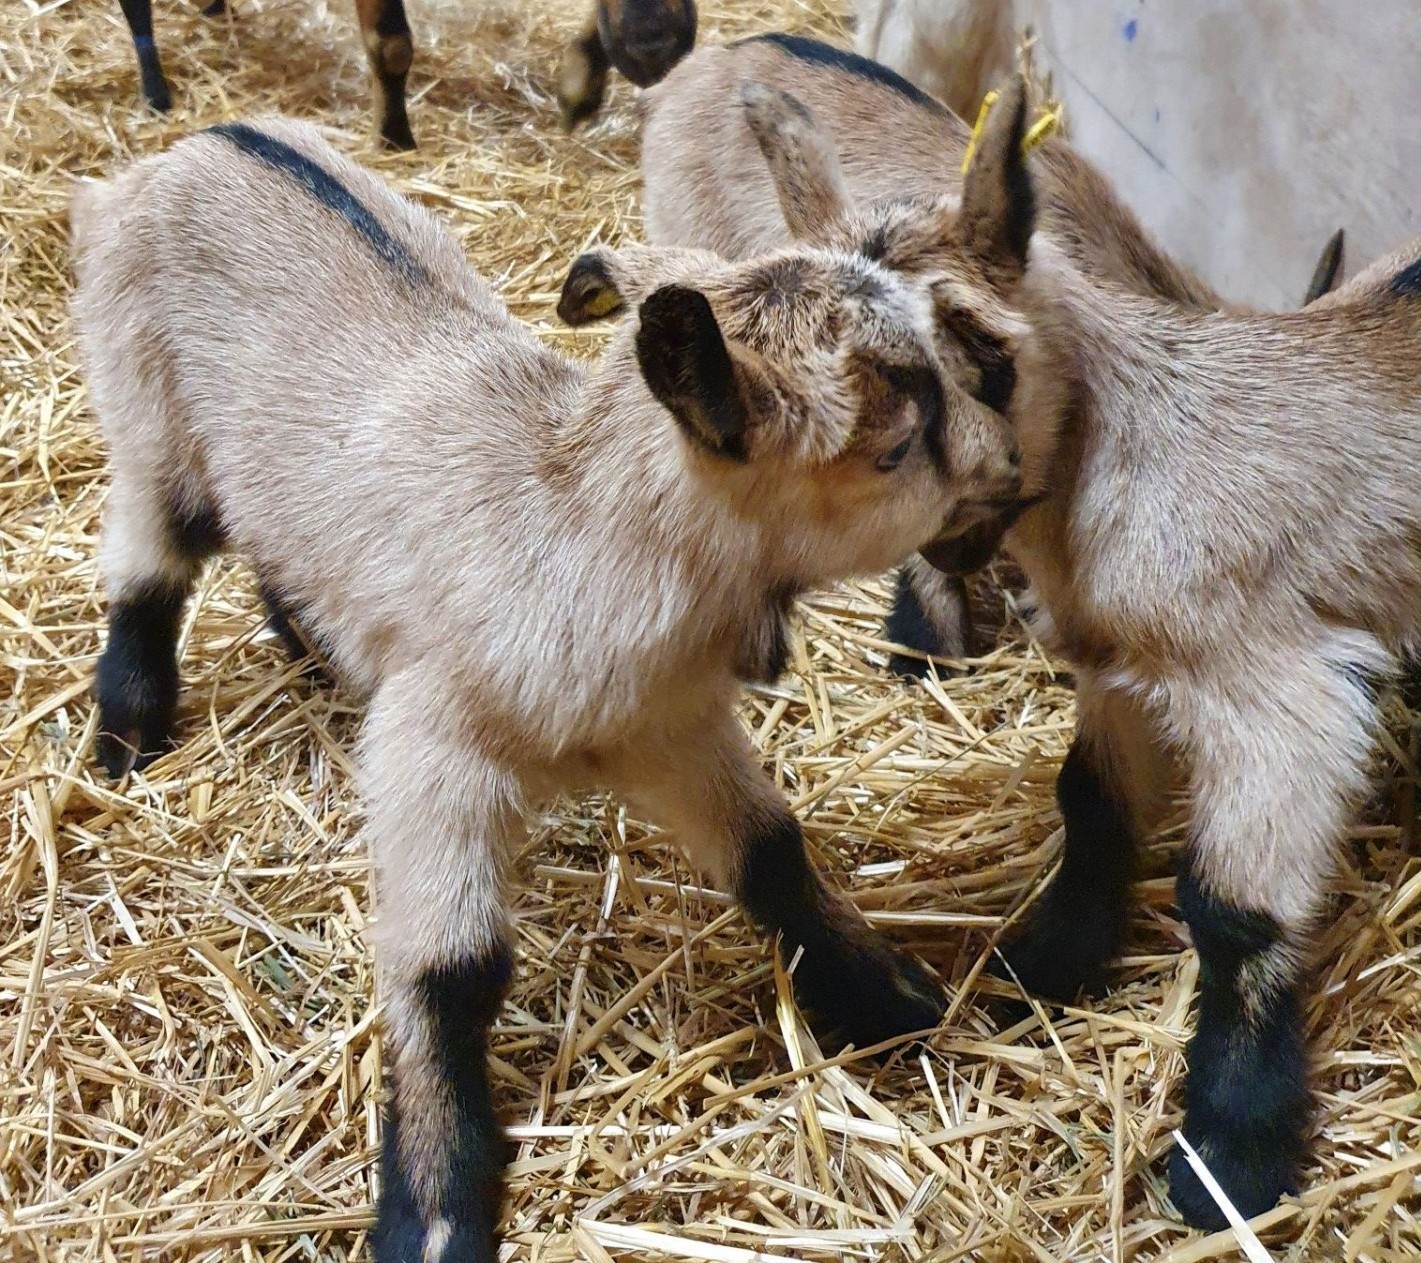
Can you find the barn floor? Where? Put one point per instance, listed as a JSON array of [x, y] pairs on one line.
[[190, 1061]]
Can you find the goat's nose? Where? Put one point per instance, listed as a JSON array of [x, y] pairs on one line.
[[647, 58]]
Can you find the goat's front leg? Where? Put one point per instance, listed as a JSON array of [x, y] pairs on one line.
[[139, 15], [1110, 790], [735, 825], [1277, 763], [390, 48], [439, 821], [931, 613]]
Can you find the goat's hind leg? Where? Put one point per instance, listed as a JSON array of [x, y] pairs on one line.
[[736, 826], [1273, 779], [154, 547], [299, 644], [440, 822]]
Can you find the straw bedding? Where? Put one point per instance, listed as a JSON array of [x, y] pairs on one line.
[[190, 1060]]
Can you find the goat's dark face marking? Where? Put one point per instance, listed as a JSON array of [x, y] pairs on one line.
[[645, 38]]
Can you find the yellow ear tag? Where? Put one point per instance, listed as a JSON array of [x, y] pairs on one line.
[[972, 141], [602, 303], [1045, 127]]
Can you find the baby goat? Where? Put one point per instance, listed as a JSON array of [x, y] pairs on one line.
[[1227, 548], [717, 194], [289, 360]]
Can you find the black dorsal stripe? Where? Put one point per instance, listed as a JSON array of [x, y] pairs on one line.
[[327, 190], [821, 54], [1407, 282]]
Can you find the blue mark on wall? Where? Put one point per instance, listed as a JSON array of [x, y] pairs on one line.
[[1130, 30]]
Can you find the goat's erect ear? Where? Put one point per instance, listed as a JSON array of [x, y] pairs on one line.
[[803, 159], [602, 281], [998, 201], [689, 368]]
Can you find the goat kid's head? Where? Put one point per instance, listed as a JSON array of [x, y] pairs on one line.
[[645, 38], [969, 256], [807, 390]]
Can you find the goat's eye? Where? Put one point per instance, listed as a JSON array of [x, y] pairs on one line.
[[894, 457]]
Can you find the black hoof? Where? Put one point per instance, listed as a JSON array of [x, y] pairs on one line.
[[861, 990], [130, 750], [575, 113], [1053, 969], [396, 135], [944, 634], [401, 1236], [1252, 1180], [466, 1230], [137, 680], [906, 667], [135, 722]]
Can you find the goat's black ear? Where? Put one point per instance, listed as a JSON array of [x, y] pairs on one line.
[[688, 367], [1329, 263], [590, 291], [998, 202]]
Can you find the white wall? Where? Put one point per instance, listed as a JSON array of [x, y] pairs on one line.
[[1244, 132]]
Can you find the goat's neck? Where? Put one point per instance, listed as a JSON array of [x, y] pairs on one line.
[[654, 523]]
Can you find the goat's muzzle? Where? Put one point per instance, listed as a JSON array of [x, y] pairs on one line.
[[972, 535], [645, 40]]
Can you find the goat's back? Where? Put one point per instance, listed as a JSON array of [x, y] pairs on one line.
[[1230, 477]]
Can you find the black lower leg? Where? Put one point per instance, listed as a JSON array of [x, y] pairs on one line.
[[289, 631], [1246, 1102], [910, 623], [137, 680], [1079, 925], [442, 1198], [139, 14], [395, 125], [391, 55], [845, 974]]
